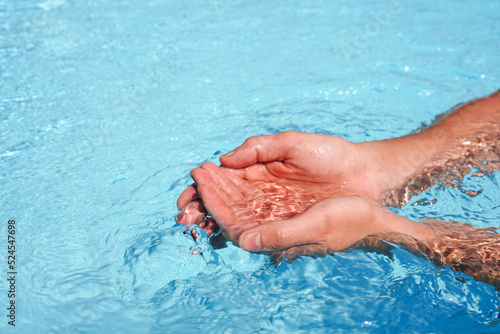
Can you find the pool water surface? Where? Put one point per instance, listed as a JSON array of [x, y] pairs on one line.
[[106, 106]]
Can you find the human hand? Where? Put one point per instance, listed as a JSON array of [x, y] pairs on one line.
[[372, 168], [273, 198], [320, 159], [274, 219], [327, 165], [286, 196]]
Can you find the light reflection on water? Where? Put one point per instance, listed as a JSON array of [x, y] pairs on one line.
[[104, 109]]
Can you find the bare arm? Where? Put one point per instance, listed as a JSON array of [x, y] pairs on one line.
[[458, 141], [333, 189], [335, 224], [467, 137], [473, 251]]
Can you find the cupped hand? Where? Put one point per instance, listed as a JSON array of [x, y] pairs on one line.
[[280, 215], [272, 197], [320, 159], [327, 165], [265, 218]]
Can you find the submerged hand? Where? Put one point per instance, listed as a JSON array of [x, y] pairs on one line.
[[270, 197], [326, 165], [375, 170], [321, 159], [267, 197], [297, 191], [275, 219]]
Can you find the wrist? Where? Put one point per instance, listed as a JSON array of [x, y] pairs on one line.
[[393, 223], [388, 226], [390, 163]]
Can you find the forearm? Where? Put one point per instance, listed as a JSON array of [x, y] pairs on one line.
[[470, 250], [464, 134]]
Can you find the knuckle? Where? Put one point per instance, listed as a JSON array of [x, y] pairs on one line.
[[289, 133], [251, 141]]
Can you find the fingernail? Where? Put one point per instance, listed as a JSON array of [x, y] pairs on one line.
[[251, 242]]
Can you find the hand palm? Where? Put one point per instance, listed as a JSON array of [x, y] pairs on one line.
[[282, 179], [237, 204]]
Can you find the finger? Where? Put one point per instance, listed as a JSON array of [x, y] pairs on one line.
[[204, 179], [255, 172], [238, 171], [188, 195], [242, 185], [192, 214], [223, 182], [310, 227], [216, 205], [261, 149], [210, 226]]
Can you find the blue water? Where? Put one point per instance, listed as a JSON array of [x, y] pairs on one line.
[[106, 106]]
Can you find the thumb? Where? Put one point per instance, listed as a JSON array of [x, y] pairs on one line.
[[265, 148], [306, 228]]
